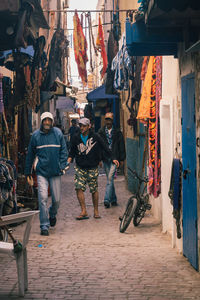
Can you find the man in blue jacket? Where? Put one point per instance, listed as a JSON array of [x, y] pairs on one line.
[[47, 154]]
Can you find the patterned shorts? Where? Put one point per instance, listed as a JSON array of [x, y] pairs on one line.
[[83, 176]]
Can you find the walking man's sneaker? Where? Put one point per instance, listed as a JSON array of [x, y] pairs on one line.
[[107, 204], [44, 232], [52, 221]]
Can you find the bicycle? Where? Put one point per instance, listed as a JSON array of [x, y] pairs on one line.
[[137, 204]]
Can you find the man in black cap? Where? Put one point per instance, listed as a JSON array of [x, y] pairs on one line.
[[86, 148]]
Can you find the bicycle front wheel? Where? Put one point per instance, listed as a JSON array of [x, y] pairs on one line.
[[128, 214], [139, 215]]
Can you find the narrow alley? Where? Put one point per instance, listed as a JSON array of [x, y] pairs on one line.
[[91, 259]]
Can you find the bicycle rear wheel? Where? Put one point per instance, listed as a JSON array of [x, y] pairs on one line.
[[128, 214], [139, 214]]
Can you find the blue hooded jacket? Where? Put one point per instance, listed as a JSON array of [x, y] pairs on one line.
[[48, 152]]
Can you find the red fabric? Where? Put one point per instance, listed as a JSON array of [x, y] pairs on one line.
[[154, 129], [80, 49], [101, 47]]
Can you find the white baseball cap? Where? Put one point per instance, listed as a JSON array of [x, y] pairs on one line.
[[84, 121], [46, 115]]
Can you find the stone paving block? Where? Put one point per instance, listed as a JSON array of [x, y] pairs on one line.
[[93, 260]]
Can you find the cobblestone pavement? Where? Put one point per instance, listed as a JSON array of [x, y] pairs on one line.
[[90, 259]]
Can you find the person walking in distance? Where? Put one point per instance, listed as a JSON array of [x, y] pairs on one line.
[[87, 148], [47, 154], [73, 129], [114, 139]]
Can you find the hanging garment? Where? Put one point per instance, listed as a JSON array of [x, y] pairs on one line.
[[144, 67], [122, 65], [175, 192], [136, 81], [116, 23], [144, 106], [54, 69], [1, 94], [101, 46], [111, 53], [7, 92], [157, 175], [154, 129], [80, 49], [51, 31]]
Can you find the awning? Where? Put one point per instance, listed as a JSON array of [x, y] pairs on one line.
[[179, 5], [162, 26], [99, 94], [141, 42], [65, 103], [173, 13]]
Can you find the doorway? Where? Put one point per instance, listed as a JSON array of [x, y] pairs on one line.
[[189, 183]]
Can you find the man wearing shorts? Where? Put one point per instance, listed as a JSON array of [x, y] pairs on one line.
[[86, 148]]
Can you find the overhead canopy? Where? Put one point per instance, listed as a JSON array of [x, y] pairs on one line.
[[65, 103], [99, 94], [169, 5], [162, 26], [173, 13], [141, 42]]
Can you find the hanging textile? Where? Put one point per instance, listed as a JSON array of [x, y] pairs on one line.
[[101, 46], [175, 192], [148, 112], [111, 53], [80, 49], [1, 94], [51, 32], [144, 106], [154, 128], [122, 65], [116, 24], [144, 67], [157, 184]]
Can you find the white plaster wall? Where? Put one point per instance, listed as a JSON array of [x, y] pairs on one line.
[[169, 116]]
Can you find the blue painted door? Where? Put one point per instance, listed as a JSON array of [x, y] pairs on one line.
[[190, 245]]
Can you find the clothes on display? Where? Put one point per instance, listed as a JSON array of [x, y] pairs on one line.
[[101, 46], [149, 113], [80, 48], [122, 66]]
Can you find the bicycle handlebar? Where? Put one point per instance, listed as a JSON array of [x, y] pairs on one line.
[[145, 179]]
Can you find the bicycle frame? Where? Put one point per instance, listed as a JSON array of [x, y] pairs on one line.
[[141, 190]]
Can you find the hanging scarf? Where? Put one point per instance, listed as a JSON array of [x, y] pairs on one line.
[[154, 129], [144, 106], [80, 49], [109, 137], [101, 46]]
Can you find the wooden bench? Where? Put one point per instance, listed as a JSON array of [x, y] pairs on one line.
[[7, 248]]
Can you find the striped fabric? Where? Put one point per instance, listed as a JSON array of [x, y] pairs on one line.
[[48, 146]]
